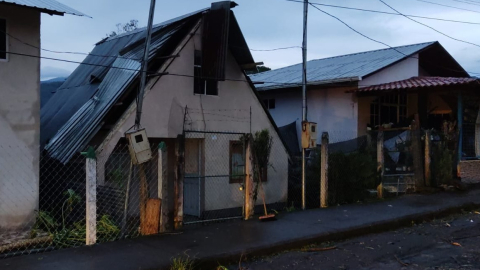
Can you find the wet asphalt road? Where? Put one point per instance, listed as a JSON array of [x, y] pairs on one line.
[[449, 243]]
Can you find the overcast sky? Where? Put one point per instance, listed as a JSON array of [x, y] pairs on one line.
[[268, 24]]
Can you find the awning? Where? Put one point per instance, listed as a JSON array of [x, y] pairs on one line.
[[418, 82]]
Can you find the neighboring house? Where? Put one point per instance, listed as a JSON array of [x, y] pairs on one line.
[[342, 114], [200, 84], [351, 94], [20, 106]]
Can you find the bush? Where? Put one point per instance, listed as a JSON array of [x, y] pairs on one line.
[[442, 164], [349, 176]]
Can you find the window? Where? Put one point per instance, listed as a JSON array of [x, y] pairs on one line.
[[3, 39], [237, 162], [202, 86], [388, 109], [269, 103]]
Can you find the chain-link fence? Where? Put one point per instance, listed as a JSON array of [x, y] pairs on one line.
[[43, 203]]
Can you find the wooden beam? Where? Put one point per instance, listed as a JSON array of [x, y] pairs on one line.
[[324, 171], [380, 163], [179, 177]]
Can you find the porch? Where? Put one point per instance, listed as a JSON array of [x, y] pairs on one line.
[[445, 107]]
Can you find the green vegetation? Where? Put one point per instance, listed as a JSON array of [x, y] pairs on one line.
[[182, 263]]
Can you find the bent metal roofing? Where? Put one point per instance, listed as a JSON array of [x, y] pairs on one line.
[[46, 6]]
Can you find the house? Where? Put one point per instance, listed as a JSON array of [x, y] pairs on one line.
[[20, 106], [349, 95], [197, 89]]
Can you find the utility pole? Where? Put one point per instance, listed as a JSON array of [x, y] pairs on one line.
[[304, 91], [143, 70]]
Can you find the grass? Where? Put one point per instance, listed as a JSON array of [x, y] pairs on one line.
[[182, 263]]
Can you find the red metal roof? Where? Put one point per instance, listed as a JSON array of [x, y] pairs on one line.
[[418, 82]]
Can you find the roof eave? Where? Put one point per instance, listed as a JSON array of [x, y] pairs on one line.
[[47, 11], [313, 83]]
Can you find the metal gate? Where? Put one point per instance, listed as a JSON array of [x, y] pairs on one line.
[[214, 176]]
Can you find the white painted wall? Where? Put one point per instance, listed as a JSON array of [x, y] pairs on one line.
[[163, 115], [19, 120], [402, 70]]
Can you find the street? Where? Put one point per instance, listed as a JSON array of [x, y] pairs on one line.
[[448, 243]]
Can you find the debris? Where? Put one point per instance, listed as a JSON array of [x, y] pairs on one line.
[[401, 262], [320, 249], [476, 212], [447, 225], [370, 248], [390, 205], [456, 244]]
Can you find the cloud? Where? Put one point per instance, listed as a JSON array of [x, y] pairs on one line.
[[50, 72]]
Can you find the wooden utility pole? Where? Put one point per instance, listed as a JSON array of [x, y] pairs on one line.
[[428, 174], [163, 185], [179, 177], [249, 184]]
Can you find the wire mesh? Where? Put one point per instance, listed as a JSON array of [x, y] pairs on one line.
[[43, 202]]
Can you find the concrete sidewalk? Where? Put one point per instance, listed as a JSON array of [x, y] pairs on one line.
[[227, 241]]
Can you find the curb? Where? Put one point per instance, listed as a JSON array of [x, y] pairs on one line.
[[378, 227]]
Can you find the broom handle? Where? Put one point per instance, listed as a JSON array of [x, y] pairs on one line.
[[263, 194]]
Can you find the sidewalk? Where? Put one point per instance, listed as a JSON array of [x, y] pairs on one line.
[[227, 241]]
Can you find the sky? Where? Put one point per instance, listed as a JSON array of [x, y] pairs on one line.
[[269, 24]]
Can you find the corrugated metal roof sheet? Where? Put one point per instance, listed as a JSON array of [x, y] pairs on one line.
[[74, 114], [338, 68], [419, 82], [49, 5]]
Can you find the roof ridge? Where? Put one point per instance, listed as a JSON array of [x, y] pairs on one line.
[[385, 49], [345, 55]]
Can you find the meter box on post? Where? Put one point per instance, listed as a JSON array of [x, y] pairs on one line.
[[139, 146], [309, 135]]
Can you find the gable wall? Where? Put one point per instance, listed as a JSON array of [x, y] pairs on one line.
[[19, 119]]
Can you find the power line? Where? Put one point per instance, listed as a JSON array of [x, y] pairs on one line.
[[467, 2], [456, 39], [276, 49], [386, 12], [356, 31], [433, 3]]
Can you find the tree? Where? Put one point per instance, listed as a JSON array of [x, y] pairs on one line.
[[259, 69], [124, 28]]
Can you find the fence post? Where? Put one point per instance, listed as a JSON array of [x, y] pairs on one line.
[[163, 186], [91, 196], [179, 176], [380, 164], [417, 154], [249, 203], [324, 171], [427, 159]]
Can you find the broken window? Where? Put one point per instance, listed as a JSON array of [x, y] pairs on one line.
[[3, 39], [388, 109], [202, 86]]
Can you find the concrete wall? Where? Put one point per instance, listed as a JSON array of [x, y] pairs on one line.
[[19, 119], [163, 117]]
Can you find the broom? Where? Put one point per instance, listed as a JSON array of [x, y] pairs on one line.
[[267, 216]]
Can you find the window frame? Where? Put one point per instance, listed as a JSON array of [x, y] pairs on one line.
[[197, 76], [7, 58], [377, 104], [268, 102], [237, 178]]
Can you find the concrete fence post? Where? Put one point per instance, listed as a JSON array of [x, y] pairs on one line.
[[428, 173], [91, 196], [249, 185], [380, 164], [179, 177], [163, 186], [324, 171]]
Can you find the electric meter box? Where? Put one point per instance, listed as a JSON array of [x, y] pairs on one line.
[[309, 135], [139, 146]]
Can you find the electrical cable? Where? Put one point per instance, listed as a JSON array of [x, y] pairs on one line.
[[386, 12], [433, 3], [456, 39]]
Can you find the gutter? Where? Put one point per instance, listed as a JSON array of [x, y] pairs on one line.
[[314, 83]]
